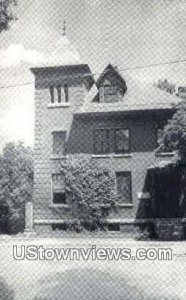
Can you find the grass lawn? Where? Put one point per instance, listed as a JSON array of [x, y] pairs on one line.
[[94, 279]]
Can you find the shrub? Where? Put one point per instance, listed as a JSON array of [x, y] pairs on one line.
[[90, 191]]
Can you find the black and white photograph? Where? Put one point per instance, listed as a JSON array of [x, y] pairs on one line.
[[93, 150]]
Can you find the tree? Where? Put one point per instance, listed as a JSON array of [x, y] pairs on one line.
[[90, 191], [174, 134], [16, 186], [166, 86], [174, 139], [6, 14]]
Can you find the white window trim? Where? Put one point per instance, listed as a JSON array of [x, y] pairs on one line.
[[122, 155], [101, 156], [56, 104], [127, 205], [58, 205]]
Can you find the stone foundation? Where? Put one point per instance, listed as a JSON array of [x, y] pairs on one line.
[[160, 229], [169, 229]]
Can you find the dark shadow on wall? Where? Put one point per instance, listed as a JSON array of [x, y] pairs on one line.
[[165, 185]]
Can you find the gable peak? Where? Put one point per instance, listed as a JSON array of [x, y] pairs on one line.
[[112, 72]]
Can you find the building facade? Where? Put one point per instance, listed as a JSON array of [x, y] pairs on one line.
[[114, 120]]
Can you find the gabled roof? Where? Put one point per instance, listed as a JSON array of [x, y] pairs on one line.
[[110, 69]]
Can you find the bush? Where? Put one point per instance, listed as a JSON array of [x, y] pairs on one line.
[[90, 191]]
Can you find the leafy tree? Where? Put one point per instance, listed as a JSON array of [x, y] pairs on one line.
[[6, 14], [174, 139], [16, 186], [90, 191], [174, 134]]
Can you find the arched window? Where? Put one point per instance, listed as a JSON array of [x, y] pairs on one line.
[[51, 94], [59, 93], [66, 92]]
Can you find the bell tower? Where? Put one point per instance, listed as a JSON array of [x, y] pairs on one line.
[[60, 84]]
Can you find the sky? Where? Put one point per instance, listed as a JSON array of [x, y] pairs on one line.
[[126, 33]]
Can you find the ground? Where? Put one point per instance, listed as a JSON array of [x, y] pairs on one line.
[[94, 279]]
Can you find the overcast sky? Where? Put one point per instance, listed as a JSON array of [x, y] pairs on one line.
[[127, 33]]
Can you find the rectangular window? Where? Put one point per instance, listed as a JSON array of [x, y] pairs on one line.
[[66, 92], [123, 186], [121, 140], [59, 93], [113, 227], [110, 90], [59, 142], [51, 94], [101, 141], [58, 189], [159, 131], [159, 135]]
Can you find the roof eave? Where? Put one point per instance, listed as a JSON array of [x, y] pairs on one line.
[[132, 111]]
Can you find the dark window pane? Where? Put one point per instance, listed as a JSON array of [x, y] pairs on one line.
[[123, 185], [66, 93], [101, 141], [113, 227], [59, 142], [59, 93], [121, 140], [59, 198], [60, 227], [51, 94]]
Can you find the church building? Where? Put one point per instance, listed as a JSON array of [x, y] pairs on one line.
[[114, 120]]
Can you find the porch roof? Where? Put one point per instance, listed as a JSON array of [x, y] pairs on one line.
[[161, 164]]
